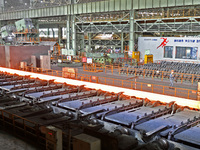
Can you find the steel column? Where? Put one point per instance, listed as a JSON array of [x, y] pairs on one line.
[[53, 32], [73, 33], [37, 27], [90, 42], [122, 42], [59, 34], [48, 32], [2, 6], [132, 33], [68, 33]]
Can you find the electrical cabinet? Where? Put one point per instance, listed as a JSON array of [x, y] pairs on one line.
[[136, 55], [148, 59], [53, 138]]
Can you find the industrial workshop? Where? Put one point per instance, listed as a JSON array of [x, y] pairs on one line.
[[100, 74]]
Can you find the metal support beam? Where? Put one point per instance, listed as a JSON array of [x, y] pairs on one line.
[[2, 6], [53, 32], [73, 33], [132, 33], [37, 27], [59, 34], [96, 7], [1, 41], [68, 33], [90, 42], [82, 44], [48, 32], [189, 24], [122, 42]]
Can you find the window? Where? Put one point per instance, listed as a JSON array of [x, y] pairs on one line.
[[186, 53], [168, 51]]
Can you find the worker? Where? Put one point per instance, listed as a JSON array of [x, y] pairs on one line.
[[171, 77]]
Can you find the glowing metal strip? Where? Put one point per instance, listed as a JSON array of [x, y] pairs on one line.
[[129, 92]]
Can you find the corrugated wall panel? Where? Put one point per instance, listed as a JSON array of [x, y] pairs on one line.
[[135, 4], [179, 2], [22, 14], [93, 7], [102, 6], [123, 4], [149, 3], [142, 4], [33, 12], [106, 6], [171, 2], [111, 5], [196, 2], [188, 2], [163, 3], [156, 3], [26, 15], [65, 10], [58, 11], [44, 11], [50, 11], [89, 7], [61, 10], [129, 4], [68, 9], [117, 5], [97, 7], [76, 9], [84, 8]]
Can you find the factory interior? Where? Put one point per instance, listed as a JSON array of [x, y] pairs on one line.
[[100, 74]]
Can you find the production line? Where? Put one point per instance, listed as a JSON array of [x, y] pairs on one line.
[[143, 123]]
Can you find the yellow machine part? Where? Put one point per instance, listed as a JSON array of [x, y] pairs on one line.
[[148, 59], [136, 55]]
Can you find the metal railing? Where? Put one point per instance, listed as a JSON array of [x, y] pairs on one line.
[[144, 73], [23, 128], [162, 75], [130, 84], [167, 13]]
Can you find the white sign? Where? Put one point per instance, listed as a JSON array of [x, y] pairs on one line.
[[69, 58], [130, 53], [89, 60], [157, 45]]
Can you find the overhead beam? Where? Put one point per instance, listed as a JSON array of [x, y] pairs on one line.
[[95, 7]]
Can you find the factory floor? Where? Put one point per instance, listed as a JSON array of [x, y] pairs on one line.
[[9, 142], [115, 75]]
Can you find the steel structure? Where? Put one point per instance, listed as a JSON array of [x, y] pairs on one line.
[[168, 20], [95, 7], [116, 16]]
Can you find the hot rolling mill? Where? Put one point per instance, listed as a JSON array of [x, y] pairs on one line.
[[32, 103]]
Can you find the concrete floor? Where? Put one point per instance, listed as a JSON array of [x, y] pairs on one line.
[[9, 142]]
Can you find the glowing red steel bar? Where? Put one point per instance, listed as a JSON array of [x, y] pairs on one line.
[[129, 92]]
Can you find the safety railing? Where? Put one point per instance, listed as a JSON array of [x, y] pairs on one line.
[[131, 84], [23, 128], [144, 73], [162, 75], [167, 13]]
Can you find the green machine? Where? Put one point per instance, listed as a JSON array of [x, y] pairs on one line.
[[7, 35], [104, 60], [24, 25]]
